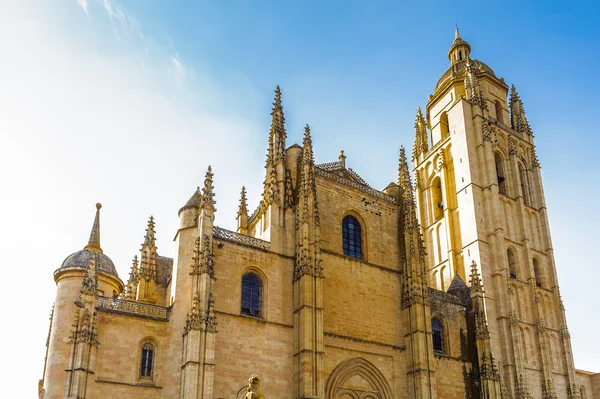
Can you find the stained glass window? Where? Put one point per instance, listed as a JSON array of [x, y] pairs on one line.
[[147, 359], [437, 334], [251, 295], [351, 237]]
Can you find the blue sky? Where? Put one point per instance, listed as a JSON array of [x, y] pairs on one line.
[[128, 102]]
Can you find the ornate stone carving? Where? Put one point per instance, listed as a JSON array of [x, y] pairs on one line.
[[353, 184], [512, 145], [517, 112], [512, 318], [564, 332], [84, 329], [548, 391], [521, 388], [472, 88], [535, 162], [203, 260], [89, 285], [421, 139], [486, 131], [253, 391], [243, 239], [573, 392], [132, 308], [195, 319], [207, 201], [211, 319], [441, 160], [289, 191], [541, 326]]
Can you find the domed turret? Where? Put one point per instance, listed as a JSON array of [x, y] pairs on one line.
[[460, 49], [80, 259], [459, 53], [71, 277]]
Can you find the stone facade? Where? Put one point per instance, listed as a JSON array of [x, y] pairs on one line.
[[327, 291]]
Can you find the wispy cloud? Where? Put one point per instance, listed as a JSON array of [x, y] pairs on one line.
[[83, 4], [126, 27]]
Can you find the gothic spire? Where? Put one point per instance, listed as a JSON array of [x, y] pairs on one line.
[[517, 113], [308, 235], [208, 197], [472, 88], [414, 287], [94, 242], [475, 279], [150, 237], [243, 208], [307, 153], [421, 138], [134, 269], [277, 134], [403, 173]]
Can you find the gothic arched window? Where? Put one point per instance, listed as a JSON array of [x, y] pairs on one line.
[[444, 125], [525, 186], [500, 173], [352, 237], [252, 295], [536, 272], [437, 335], [437, 199], [146, 368], [512, 265], [499, 116]]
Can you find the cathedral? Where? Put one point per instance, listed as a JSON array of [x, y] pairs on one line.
[[441, 285]]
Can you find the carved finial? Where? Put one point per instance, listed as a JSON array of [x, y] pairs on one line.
[[150, 237], [94, 242], [307, 150], [475, 279], [517, 113], [243, 208], [456, 33], [403, 173], [535, 162], [277, 135], [134, 269], [421, 137], [208, 197], [89, 286], [342, 159], [131, 287]]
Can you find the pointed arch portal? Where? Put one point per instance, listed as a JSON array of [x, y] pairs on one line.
[[357, 379]]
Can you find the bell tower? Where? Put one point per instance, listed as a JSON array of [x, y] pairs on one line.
[[480, 201]]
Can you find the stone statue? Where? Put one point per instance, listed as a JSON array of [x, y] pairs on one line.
[[253, 391]]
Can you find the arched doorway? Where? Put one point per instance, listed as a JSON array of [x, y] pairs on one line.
[[357, 379]]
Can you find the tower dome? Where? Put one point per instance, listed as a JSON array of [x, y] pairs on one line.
[[459, 53], [80, 259]]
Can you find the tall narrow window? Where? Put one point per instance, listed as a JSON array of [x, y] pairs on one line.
[[252, 295], [444, 127], [512, 266], [146, 368], [524, 180], [536, 272], [438, 200], [437, 335], [500, 173], [499, 116], [351, 237]]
